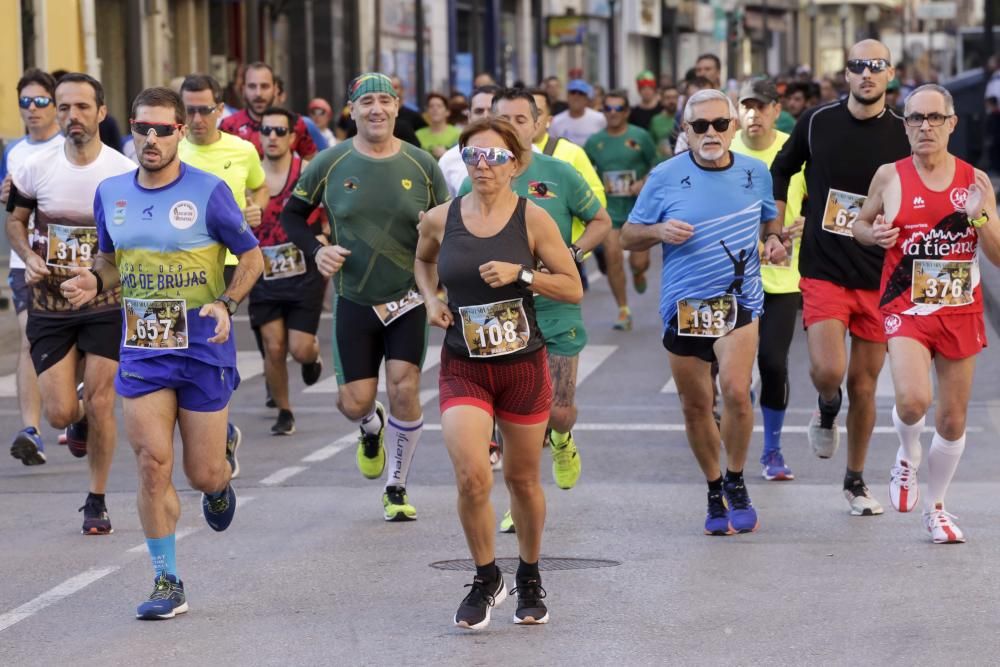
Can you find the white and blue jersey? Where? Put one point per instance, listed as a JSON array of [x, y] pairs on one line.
[[726, 207]]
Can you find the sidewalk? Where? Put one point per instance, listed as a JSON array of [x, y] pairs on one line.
[[990, 277]]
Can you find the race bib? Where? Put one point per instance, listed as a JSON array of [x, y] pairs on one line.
[[842, 209], [156, 324], [387, 312], [617, 183], [283, 261], [71, 247], [495, 329], [707, 318], [941, 282]]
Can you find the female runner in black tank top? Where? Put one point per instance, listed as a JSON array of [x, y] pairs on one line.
[[494, 360]]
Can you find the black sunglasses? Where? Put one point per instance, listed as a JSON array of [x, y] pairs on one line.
[[266, 130], [160, 129], [614, 107], [874, 65], [700, 126], [203, 110], [40, 101]]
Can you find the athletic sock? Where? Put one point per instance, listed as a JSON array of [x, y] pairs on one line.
[[400, 442], [715, 485], [558, 439], [853, 478], [909, 440], [371, 423], [828, 411], [97, 497], [734, 477], [942, 460], [489, 572], [774, 421], [526, 570], [163, 553]]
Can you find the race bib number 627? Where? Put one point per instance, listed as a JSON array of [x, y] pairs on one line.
[[842, 209]]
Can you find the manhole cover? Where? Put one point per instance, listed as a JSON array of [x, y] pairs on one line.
[[509, 565]]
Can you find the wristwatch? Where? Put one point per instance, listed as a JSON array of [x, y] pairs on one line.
[[983, 218], [231, 304], [525, 277], [578, 254]]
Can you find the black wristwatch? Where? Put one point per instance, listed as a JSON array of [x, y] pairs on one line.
[[231, 304], [525, 277], [578, 254]]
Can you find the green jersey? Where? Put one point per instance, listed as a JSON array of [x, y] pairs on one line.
[[660, 128], [373, 205], [621, 161]]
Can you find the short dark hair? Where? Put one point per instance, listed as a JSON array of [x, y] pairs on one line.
[[37, 76], [80, 77], [711, 56], [516, 94], [541, 92], [797, 87], [279, 84], [701, 82], [279, 111], [260, 64], [489, 88], [161, 96], [195, 83], [617, 92], [434, 95]]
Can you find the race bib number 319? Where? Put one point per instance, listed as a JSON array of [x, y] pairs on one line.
[[495, 329], [842, 209], [71, 247], [156, 324], [707, 318], [942, 283]]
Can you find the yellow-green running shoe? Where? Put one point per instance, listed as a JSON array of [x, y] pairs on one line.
[[507, 523], [397, 505], [371, 451], [565, 463]]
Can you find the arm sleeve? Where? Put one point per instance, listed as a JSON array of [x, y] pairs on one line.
[[582, 202], [295, 222], [104, 242], [650, 206], [790, 159], [225, 221], [255, 172], [304, 145]]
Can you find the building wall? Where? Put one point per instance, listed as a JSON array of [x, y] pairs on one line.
[[10, 69]]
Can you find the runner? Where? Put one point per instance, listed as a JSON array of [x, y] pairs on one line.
[[705, 208], [579, 121], [374, 188], [286, 303], [623, 154], [451, 164], [758, 138], [481, 247], [161, 234], [841, 145], [649, 106], [36, 98], [59, 187], [931, 213]]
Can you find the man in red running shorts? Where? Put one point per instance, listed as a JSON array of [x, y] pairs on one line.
[[931, 213]]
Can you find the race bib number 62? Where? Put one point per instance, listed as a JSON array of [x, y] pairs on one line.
[[842, 209]]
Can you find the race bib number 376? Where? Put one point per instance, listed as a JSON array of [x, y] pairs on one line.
[[941, 283], [71, 247], [494, 329], [842, 209], [156, 324]]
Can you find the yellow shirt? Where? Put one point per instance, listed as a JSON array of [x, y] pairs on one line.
[[567, 151], [779, 279]]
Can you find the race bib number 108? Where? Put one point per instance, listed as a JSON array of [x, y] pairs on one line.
[[494, 329]]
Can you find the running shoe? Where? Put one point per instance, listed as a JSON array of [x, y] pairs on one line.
[[507, 523], [639, 282], [474, 612], [904, 491], [234, 437], [311, 372], [62, 438], [166, 601], [565, 463], [775, 469], [941, 525], [397, 505], [371, 450], [219, 511], [285, 424], [742, 515], [531, 608], [496, 457], [95, 517], [824, 441], [861, 500], [28, 448], [717, 520], [624, 322]]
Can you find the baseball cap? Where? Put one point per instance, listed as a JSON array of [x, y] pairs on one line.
[[580, 86], [645, 78], [762, 90], [320, 103]]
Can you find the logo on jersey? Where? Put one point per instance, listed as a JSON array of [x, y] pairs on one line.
[[147, 213], [540, 190], [406, 183], [892, 323], [633, 144], [918, 202], [183, 214], [749, 184], [686, 182], [229, 163], [351, 183], [119, 215], [958, 197]]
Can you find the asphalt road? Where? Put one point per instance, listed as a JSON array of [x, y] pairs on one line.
[[309, 573]]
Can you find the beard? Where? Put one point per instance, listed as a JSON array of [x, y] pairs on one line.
[[867, 101], [165, 161], [711, 153]]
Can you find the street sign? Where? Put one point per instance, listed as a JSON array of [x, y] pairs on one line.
[[937, 11]]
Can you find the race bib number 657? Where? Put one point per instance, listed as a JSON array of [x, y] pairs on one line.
[[156, 324]]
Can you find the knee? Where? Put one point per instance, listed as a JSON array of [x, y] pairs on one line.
[[736, 393], [99, 403], [522, 483], [826, 377], [474, 484], [861, 387], [304, 352], [207, 477], [911, 407], [950, 424], [772, 363], [61, 415], [154, 472], [696, 407], [353, 407], [275, 349], [403, 393], [562, 418]]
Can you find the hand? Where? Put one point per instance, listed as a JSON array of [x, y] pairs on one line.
[[81, 288], [885, 235], [676, 232], [794, 230], [330, 258], [35, 269], [774, 250], [438, 313], [5, 189], [218, 310], [498, 274], [253, 214], [636, 187], [978, 195]]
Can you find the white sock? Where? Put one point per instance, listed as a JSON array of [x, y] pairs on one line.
[[909, 440], [942, 460], [401, 439], [371, 423]]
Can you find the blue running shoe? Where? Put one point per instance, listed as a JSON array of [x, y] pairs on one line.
[[166, 601], [28, 448], [775, 469], [233, 439], [717, 521], [219, 511], [742, 515]]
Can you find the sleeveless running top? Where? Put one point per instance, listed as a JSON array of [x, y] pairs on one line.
[[489, 322], [270, 231], [933, 268]]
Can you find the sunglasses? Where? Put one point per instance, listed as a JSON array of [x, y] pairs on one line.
[[494, 155], [874, 65], [159, 129], [933, 119], [266, 130], [41, 101], [614, 107], [202, 110], [701, 125]]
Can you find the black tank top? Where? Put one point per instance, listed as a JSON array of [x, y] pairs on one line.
[[490, 323]]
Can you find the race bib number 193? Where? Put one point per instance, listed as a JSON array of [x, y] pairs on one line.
[[707, 318], [494, 329], [156, 324], [842, 209], [71, 247], [941, 283]]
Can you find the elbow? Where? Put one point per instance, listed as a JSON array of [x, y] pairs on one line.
[[575, 296], [627, 239]]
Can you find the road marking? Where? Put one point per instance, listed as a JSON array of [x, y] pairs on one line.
[[591, 357], [884, 388], [329, 385], [53, 595], [679, 428], [282, 475], [8, 385], [331, 450], [249, 363]]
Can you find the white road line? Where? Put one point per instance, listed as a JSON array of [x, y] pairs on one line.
[[592, 357], [679, 428], [884, 389], [282, 475], [331, 450], [329, 385], [8, 385], [53, 595], [249, 363]]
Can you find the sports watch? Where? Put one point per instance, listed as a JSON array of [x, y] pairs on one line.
[[578, 254], [983, 218], [525, 277], [231, 304]]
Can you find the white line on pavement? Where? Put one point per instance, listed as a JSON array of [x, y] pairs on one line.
[[679, 428], [282, 475], [591, 357], [53, 595], [330, 450]]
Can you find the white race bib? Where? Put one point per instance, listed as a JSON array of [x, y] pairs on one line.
[[494, 329], [707, 318], [941, 283], [156, 324], [71, 247], [283, 261], [842, 209]]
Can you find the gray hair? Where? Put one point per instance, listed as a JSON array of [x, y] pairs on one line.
[[707, 95], [949, 102]]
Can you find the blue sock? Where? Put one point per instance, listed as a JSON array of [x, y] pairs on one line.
[[163, 553], [774, 420]]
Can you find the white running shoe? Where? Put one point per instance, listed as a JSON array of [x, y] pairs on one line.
[[941, 525], [904, 492], [861, 501], [824, 441]]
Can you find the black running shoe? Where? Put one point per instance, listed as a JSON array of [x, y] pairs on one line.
[[311, 372], [285, 424], [531, 609], [474, 612], [76, 433], [95, 517]]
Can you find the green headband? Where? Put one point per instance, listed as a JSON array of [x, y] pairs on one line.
[[371, 82]]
